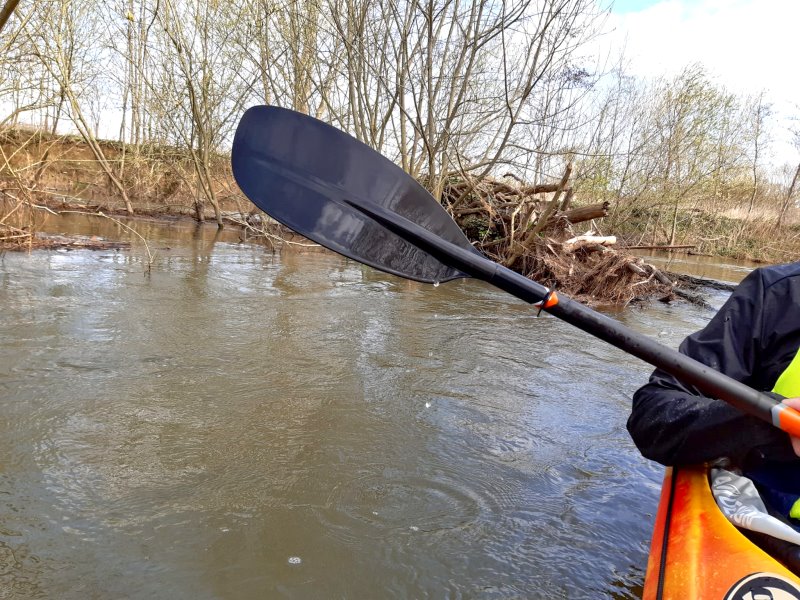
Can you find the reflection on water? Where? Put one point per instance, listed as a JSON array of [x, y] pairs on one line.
[[242, 425]]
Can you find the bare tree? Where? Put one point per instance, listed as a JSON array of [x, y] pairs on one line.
[[65, 48], [197, 86], [759, 113], [789, 199]]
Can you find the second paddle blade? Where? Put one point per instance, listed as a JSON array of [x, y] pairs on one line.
[[299, 170]]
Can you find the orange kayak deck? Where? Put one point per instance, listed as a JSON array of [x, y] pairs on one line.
[[706, 556]]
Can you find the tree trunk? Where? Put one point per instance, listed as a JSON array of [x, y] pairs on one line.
[[586, 213], [789, 193]]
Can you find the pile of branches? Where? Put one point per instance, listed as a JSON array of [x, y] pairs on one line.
[[14, 238], [541, 232], [16, 221]]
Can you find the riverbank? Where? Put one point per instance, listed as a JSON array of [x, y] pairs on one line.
[[44, 174], [731, 234], [63, 173]]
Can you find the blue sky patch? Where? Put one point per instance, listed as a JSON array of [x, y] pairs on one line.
[[628, 6]]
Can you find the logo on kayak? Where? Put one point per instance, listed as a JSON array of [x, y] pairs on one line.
[[763, 586]]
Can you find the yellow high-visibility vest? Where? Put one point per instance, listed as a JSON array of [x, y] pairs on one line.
[[788, 384]]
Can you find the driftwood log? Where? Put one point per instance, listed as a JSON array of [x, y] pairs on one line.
[[588, 241], [662, 247], [586, 213], [74, 242]]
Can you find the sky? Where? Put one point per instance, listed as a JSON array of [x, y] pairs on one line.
[[745, 45]]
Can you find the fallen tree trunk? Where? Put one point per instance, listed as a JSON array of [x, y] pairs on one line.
[[581, 241], [644, 270], [673, 247], [703, 282], [586, 213], [84, 242]]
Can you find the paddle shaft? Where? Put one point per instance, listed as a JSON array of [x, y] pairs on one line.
[[686, 369]]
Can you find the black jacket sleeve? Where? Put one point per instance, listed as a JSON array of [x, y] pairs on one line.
[[675, 424]]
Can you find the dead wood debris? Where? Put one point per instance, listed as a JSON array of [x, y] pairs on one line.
[[24, 240], [692, 282], [541, 232]]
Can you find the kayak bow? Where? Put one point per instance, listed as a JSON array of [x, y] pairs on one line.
[[697, 553]]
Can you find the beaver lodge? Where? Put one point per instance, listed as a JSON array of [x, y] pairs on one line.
[[541, 232]]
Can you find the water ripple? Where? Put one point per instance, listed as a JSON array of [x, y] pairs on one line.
[[189, 432]]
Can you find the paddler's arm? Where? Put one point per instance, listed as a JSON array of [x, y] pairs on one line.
[[675, 424]]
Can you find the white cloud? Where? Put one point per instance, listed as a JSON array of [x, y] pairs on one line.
[[745, 45]]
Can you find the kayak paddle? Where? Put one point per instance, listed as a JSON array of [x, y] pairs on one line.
[[340, 193]]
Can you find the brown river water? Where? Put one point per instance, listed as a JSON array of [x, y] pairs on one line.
[[238, 424]]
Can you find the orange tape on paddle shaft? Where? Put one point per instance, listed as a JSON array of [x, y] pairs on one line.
[[787, 419], [549, 301]]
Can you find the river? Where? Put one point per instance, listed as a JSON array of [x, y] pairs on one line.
[[236, 424]]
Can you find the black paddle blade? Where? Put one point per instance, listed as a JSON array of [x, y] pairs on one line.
[[301, 172]]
